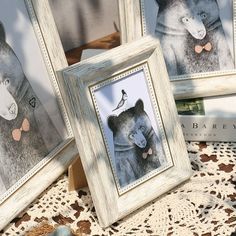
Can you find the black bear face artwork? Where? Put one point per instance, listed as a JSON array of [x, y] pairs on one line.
[[137, 148], [132, 125], [192, 16], [28, 134], [137, 136], [9, 79], [192, 36], [10, 67]]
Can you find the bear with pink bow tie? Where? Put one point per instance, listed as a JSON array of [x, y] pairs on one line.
[[192, 37], [27, 132], [138, 149]]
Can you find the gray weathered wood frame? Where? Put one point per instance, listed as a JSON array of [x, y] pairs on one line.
[[76, 81], [186, 86], [31, 185]]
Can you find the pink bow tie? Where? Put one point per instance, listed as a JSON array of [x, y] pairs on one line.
[[16, 133], [145, 154], [207, 47]]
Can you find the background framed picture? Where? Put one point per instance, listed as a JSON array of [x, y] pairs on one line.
[[74, 38], [196, 42], [79, 38], [129, 140], [199, 84], [36, 138]]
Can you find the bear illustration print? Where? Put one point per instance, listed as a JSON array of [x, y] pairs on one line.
[[192, 36], [27, 132], [137, 148]]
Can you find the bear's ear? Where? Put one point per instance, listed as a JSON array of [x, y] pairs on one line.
[[111, 121], [2, 32], [160, 2], [163, 3], [139, 107]]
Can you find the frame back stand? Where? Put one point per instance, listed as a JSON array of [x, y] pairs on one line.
[[76, 175]]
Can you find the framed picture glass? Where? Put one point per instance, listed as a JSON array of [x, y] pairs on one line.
[[198, 43], [115, 125], [197, 37], [36, 142], [129, 140]]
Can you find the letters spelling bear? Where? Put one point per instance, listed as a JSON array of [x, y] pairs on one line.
[[192, 37], [137, 148], [27, 133]]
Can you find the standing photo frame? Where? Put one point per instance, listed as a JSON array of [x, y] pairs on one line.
[[37, 143], [200, 97], [129, 139], [140, 17]]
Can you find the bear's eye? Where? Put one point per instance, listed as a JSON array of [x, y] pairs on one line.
[[131, 136], [185, 20], [6, 82], [142, 128], [203, 15]]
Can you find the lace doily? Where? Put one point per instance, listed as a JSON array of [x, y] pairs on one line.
[[203, 206]]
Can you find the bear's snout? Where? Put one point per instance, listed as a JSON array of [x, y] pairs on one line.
[[201, 34], [8, 105], [142, 143], [138, 139], [10, 112]]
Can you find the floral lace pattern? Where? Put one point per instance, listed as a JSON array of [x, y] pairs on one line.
[[203, 206]]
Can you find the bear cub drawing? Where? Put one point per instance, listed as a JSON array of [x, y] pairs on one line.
[[137, 148], [192, 37], [27, 132]]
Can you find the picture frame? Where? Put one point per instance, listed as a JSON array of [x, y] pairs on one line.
[[92, 90], [135, 22], [200, 97], [37, 143], [79, 38]]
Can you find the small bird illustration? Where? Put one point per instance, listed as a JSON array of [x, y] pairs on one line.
[[123, 100]]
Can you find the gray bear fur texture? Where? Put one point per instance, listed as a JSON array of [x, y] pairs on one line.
[[183, 24], [133, 135], [18, 101]]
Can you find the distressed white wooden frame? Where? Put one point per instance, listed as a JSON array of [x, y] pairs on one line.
[[39, 178], [76, 81], [186, 86]]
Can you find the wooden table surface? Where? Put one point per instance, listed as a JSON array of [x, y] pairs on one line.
[[110, 41]]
